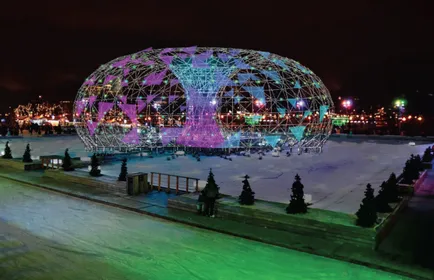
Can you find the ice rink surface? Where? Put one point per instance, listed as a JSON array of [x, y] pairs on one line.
[[44, 235], [336, 179]]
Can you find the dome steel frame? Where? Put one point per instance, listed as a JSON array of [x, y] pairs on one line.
[[205, 98]]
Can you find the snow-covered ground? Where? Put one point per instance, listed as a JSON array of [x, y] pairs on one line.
[[41, 146], [335, 179], [44, 235]]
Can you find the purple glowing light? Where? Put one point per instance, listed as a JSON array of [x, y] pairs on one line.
[[240, 64], [203, 134], [223, 80], [199, 61], [103, 108], [91, 126], [122, 62], [130, 111], [90, 82], [201, 129], [123, 98], [109, 79], [155, 78], [92, 100], [234, 52], [79, 107], [131, 137], [172, 98], [140, 105], [136, 61], [166, 50], [224, 57], [166, 59], [150, 97], [189, 50], [148, 63], [169, 133]]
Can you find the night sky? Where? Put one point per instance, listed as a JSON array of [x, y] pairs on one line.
[[373, 51]]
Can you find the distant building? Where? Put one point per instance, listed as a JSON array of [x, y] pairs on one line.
[[38, 111], [66, 106]]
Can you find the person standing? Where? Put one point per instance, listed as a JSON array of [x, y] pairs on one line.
[[200, 203], [211, 197]]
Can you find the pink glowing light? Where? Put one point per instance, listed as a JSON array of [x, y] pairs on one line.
[[347, 103]]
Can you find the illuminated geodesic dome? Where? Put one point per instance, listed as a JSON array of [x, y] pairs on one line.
[[202, 97]]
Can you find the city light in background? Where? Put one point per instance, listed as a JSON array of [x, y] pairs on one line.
[[300, 103], [347, 103], [400, 103], [356, 119]]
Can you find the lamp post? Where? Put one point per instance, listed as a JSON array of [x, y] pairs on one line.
[[347, 104], [400, 104]]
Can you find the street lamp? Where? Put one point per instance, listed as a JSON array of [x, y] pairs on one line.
[[400, 105], [347, 104]]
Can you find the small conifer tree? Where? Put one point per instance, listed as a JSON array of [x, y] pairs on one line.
[[27, 157], [427, 155], [67, 162], [418, 163], [247, 196], [94, 164], [124, 171], [8, 152], [382, 199], [211, 188], [297, 203], [410, 172], [367, 214], [392, 191]]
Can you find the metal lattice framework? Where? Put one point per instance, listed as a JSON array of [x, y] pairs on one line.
[[202, 97]]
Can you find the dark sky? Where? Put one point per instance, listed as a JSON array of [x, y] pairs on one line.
[[375, 51]]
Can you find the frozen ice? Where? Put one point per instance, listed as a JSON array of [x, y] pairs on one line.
[[335, 179]]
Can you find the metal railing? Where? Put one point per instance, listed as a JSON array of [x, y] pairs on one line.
[[176, 182]]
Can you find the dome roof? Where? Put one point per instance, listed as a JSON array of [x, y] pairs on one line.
[[202, 97]]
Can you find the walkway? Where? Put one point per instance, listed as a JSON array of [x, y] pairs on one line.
[[412, 237], [427, 187], [44, 235]]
